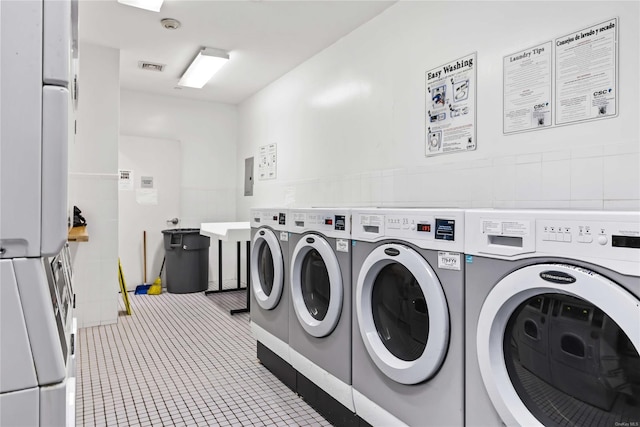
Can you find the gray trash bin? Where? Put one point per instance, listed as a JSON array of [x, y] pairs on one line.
[[187, 260]]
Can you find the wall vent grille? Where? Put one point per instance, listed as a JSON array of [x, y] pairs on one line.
[[151, 66]]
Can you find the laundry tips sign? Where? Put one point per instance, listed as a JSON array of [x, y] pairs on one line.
[[527, 89], [451, 107], [268, 162]]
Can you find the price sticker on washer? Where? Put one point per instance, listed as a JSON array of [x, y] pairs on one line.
[[448, 260], [342, 245]]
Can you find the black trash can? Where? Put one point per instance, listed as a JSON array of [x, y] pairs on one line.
[[187, 260]]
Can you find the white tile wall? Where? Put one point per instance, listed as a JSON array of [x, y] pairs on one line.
[[373, 138], [94, 186], [586, 178], [556, 180], [617, 185], [528, 183], [503, 181], [95, 262], [625, 205]]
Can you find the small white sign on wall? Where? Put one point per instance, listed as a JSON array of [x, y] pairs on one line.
[[145, 196], [146, 182], [267, 162], [289, 196], [125, 180]]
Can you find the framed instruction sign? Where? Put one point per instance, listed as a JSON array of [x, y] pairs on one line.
[[527, 89], [268, 162], [587, 74], [451, 107]]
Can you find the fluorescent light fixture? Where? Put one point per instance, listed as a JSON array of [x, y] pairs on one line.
[[203, 67], [152, 5]]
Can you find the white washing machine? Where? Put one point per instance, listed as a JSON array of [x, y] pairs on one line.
[[552, 318], [408, 328], [269, 266], [320, 319]]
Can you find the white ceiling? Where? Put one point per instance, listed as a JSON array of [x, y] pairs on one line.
[[265, 39]]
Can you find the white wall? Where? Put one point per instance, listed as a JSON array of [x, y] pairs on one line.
[[349, 122], [207, 132], [93, 185], [136, 215]]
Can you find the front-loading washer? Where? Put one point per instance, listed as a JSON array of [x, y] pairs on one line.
[[408, 343], [320, 319], [552, 318], [269, 296]]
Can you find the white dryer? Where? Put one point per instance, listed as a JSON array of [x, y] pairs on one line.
[[269, 267], [552, 318], [320, 319], [408, 343]]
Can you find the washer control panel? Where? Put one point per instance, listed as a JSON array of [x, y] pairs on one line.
[[410, 226], [425, 229], [609, 238], [274, 218], [331, 223], [588, 237]]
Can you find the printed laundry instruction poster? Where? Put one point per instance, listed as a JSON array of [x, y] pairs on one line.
[[586, 73], [527, 89], [451, 107], [268, 162]]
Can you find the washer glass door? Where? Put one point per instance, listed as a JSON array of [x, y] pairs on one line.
[[570, 352], [316, 285], [267, 269], [402, 314]]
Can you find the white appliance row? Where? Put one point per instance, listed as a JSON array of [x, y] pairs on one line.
[[37, 342], [38, 53], [451, 317]]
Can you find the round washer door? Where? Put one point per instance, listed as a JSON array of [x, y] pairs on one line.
[[316, 285], [558, 345], [402, 314], [267, 269]]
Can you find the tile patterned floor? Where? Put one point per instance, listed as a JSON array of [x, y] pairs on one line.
[[181, 360]]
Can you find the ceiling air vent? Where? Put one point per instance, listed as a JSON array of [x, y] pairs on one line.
[[145, 65]]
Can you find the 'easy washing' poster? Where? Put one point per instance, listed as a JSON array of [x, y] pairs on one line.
[[451, 107]]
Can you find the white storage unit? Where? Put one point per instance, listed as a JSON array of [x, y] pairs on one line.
[[37, 327], [35, 49], [37, 342]]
